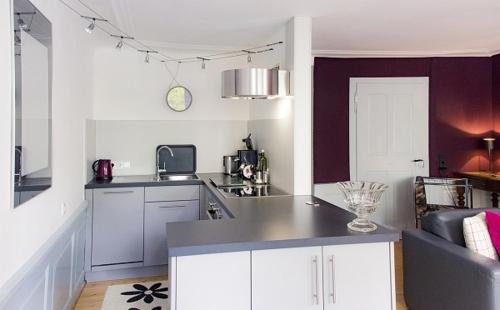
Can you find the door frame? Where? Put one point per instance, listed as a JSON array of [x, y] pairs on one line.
[[353, 134]]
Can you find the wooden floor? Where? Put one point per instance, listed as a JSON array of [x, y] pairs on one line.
[[93, 293]]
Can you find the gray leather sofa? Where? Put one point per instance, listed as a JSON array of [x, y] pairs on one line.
[[440, 273]]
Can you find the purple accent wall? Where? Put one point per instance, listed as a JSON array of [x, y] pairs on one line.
[[460, 110], [496, 106]]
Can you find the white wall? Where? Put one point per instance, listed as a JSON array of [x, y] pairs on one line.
[[302, 91], [126, 88], [24, 229], [132, 117]]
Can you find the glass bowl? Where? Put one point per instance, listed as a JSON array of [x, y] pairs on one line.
[[362, 198]]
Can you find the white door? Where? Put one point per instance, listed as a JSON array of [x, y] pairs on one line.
[[389, 141], [287, 279], [358, 277]]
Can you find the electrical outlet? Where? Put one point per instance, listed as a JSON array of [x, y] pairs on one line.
[[122, 164], [63, 208], [442, 163]]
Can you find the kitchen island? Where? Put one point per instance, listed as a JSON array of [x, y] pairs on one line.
[[278, 253]]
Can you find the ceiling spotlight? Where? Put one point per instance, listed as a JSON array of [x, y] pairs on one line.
[[203, 66], [146, 59], [93, 20], [120, 44], [90, 27]]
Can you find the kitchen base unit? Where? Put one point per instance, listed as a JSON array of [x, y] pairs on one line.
[[345, 276]]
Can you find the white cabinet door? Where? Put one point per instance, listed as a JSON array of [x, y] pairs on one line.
[[157, 214], [212, 282], [358, 276], [287, 279]]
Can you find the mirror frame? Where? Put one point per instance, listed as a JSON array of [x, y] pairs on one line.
[[185, 89], [45, 37]]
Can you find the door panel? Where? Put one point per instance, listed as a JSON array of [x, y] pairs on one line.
[[156, 217], [287, 279], [117, 227], [213, 282], [357, 277], [388, 131]]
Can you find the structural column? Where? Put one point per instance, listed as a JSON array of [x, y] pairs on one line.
[[300, 55]]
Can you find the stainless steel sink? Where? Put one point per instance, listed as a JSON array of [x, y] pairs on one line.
[[177, 177]]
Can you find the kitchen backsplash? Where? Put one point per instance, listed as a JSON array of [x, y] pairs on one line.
[[131, 144]]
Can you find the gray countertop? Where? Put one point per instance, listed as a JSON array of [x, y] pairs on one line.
[[265, 223], [33, 184], [137, 181]]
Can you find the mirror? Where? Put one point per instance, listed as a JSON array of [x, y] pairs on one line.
[[179, 98], [32, 172]]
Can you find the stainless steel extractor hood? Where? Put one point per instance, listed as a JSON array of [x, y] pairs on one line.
[[255, 83]]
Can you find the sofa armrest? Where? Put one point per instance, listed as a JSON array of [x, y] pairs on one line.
[[440, 275]]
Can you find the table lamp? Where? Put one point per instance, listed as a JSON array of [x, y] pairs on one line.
[[490, 145]]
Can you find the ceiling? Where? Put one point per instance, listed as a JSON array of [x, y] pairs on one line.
[[350, 27]]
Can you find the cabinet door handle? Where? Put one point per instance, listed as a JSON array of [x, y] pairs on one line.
[[331, 263], [168, 207], [315, 281], [118, 192]]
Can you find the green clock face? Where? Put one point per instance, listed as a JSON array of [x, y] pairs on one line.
[[179, 98]]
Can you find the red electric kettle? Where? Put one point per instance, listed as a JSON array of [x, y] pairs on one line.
[[102, 169]]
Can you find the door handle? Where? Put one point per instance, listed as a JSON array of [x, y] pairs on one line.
[[315, 281], [168, 207], [418, 160], [118, 192], [331, 261]]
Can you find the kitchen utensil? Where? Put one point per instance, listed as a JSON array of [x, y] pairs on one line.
[[247, 171], [231, 164], [103, 169]]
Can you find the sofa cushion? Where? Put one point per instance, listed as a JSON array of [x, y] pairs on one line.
[[493, 222], [477, 238], [448, 224]]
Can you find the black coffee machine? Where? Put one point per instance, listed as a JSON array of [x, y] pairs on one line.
[[248, 159]]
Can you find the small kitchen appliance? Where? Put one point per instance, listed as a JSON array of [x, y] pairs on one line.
[[231, 164], [248, 157], [103, 169]]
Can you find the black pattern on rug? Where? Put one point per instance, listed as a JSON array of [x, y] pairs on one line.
[[148, 294], [138, 296]]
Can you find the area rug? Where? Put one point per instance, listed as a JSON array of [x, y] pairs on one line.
[[138, 296]]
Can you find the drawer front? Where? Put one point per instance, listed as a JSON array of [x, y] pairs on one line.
[[172, 193], [157, 214], [117, 226]]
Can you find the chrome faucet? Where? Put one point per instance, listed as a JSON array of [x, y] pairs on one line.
[[19, 174], [158, 151]]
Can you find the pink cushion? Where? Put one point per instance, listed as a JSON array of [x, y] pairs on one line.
[[493, 222]]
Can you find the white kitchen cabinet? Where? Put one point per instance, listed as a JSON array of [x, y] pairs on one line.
[[211, 282], [157, 214], [358, 276], [287, 279]]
